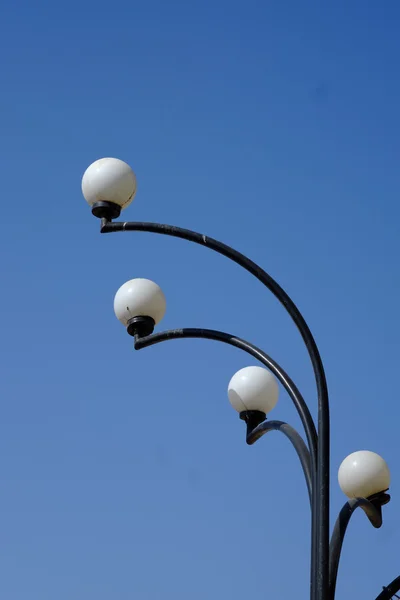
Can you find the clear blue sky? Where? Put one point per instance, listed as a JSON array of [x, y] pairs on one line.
[[275, 127]]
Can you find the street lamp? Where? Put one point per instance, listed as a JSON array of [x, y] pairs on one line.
[[109, 186]]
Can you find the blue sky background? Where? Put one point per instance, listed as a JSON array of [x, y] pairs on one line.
[[273, 126]]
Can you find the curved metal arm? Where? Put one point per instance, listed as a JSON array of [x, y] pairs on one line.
[[296, 440], [321, 497], [292, 390], [390, 591], [373, 509], [227, 338]]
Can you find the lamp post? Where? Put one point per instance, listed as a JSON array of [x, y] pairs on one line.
[[109, 186]]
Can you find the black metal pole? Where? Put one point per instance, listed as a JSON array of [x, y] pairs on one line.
[[390, 590], [373, 509], [320, 554]]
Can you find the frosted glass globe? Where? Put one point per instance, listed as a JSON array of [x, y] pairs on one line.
[[253, 388], [139, 298], [109, 180], [363, 474]]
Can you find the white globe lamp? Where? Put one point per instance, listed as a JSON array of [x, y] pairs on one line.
[[363, 474], [139, 304], [253, 392], [108, 186]]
